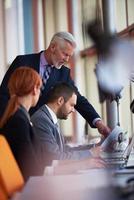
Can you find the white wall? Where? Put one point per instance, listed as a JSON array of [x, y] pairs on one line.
[[2, 42]]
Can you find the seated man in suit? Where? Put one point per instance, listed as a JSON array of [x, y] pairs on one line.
[[60, 103], [50, 64]]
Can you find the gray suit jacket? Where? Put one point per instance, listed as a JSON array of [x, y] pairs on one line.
[[49, 139]]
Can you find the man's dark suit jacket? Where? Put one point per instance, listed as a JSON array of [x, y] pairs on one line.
[[57, 75], [20, 136]]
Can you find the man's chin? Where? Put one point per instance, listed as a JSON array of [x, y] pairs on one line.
[[58, 66], [64, 117]]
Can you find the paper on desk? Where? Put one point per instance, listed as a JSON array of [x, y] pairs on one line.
[[113, 139]]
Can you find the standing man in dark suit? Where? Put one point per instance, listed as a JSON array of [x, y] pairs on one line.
[[57, 54], [60, 103]]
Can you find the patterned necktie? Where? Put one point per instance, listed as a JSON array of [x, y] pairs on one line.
[[46, 75]]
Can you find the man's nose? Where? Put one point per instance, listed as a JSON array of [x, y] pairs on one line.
[[66, 58]]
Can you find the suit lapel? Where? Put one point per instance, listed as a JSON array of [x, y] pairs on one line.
[[57, 135], [44, 109], [53, 78], [54, 75]]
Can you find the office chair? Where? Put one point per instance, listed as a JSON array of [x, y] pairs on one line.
[[3, 195], [10, 176]]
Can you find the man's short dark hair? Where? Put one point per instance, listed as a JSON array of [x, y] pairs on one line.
[[60, 89]]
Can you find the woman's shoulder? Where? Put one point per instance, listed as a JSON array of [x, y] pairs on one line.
[[18, 118], [18, 128], [19, 114]]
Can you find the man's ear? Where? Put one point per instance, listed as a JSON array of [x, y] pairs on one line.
[[60, 101], [53, 47]]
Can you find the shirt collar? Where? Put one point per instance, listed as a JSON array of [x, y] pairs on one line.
[[43, 59], [53, 115]]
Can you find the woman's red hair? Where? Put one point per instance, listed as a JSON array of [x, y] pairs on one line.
[[21, 83]]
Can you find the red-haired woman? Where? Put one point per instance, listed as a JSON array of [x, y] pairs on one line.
[[24, 89]]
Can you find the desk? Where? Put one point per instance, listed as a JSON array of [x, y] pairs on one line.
[[86, 186]]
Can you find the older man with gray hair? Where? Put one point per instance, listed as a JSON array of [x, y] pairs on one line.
[[51, 65]]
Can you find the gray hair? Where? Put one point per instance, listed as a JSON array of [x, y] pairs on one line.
[[64, 36]]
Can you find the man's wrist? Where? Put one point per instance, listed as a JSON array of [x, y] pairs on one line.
[[98, 123], [96, 120]]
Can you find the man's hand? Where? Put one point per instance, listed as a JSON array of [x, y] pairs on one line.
[[96, 151], [96, 163], [102, 128]]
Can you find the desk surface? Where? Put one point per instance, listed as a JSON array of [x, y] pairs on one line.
[[67, 187], [89, 185]]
